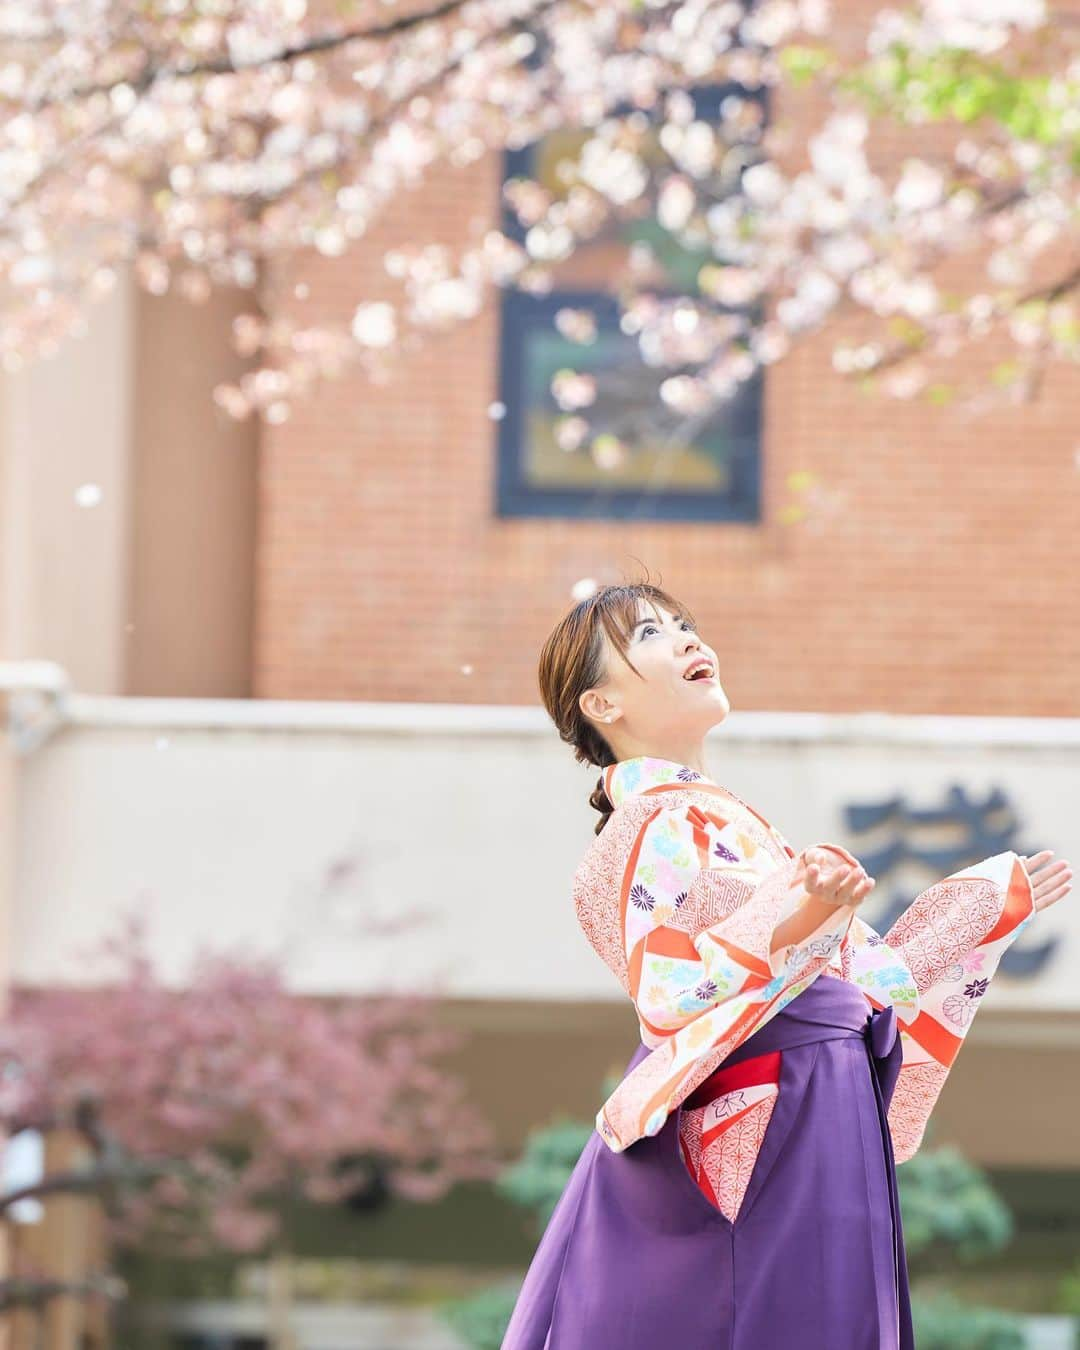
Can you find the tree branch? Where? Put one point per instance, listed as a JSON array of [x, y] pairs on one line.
[[33, 1293], [1053, 290], [86, 1180], [226, 65], [259, 201]]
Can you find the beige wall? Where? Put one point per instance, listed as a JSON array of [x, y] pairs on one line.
[[151, 589], [309, 830], [224, 820], [193, 524], [66, 422]]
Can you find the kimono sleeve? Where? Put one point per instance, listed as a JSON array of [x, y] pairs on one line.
[[935, 965], [699, 905]]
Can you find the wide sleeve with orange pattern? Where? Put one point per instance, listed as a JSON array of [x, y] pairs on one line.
[[934, 965], [700, 898]]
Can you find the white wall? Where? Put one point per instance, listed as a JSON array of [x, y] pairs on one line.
[[220, 821]]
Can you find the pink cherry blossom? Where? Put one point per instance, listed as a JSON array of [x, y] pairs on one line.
[[212, 147], [230, 1087]]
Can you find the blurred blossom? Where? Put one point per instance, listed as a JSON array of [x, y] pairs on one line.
[[581, 590], [232, 400], [618, 174], [1026, 330], [446, 300], [496, 411], [570, 433], [572, 390], [730, 285], [763, 184], [847, 359], [685, 395], [685, 319], [152, 273], [920, 187], [576, 325], [919, 298], [906, 382], [693, 147], [770, 23], [195, 287], [770, 343], [89, 494], [374, 325], [528, 200], [1007, 267], [977, 25], [675, 204], [247, 333], [837, 150], [608, 452], [549, 243]]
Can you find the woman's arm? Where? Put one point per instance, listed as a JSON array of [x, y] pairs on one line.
[[712, 932]]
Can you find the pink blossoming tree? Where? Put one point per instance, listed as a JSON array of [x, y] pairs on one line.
[[207, 1105]]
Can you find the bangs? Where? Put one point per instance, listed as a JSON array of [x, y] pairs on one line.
[[618, 609]]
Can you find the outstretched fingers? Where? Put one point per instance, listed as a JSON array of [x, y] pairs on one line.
[[1050, 881]]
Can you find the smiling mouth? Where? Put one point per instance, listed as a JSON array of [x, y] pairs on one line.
[[708, 676]]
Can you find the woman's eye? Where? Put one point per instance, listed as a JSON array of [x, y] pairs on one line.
[[653, 628]]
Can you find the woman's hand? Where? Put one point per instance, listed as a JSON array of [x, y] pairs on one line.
[[1050, 882], [833, 879]]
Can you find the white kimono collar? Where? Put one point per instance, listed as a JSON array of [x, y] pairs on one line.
[[644, 772]]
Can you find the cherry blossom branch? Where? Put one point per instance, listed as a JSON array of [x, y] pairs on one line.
[[898, 353], [429, 85], [227, 65]]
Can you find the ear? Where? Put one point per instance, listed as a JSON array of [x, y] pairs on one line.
[[595, 706]]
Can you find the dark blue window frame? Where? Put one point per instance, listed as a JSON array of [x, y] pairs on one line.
[[521, 314]]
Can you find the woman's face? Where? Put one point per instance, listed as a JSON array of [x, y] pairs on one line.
[[661, 706]]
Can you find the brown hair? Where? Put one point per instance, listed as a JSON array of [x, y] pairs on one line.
[[573, 659]]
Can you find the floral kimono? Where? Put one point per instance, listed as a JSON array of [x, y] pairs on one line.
[[739, 1192]]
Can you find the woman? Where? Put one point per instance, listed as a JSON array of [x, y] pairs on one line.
[[739, 1192]]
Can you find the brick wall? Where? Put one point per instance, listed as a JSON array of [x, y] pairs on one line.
[[939, 571]]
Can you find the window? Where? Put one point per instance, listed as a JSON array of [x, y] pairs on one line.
[[640, 460]]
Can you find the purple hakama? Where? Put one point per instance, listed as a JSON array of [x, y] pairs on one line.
[[635, 1257]]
